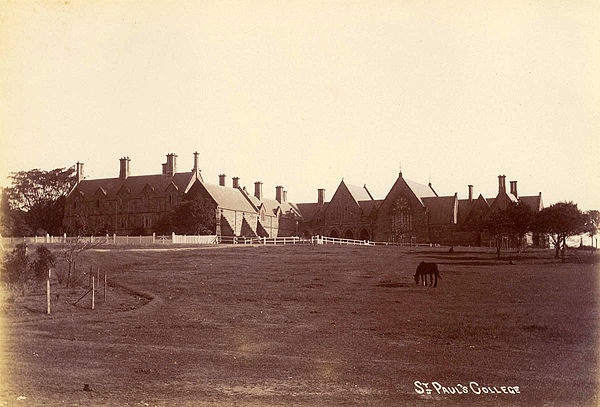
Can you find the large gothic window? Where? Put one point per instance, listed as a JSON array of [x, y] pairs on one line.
[[401, 216]]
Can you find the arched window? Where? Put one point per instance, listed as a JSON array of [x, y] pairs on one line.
[[401, 216]]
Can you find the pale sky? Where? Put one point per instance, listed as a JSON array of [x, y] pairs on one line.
[[305, 93]]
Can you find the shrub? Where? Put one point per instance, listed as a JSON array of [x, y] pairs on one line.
[[45, 260], [15, 265]]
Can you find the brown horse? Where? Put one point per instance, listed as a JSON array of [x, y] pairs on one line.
[[427, 269]]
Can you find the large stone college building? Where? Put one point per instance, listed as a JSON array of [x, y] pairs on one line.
[[411, 212]]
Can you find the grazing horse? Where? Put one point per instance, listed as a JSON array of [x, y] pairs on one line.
[[427, 269]]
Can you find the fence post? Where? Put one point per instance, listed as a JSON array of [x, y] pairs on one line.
[[107, 238], [172, 237], [93, 292], [48, 293], [47, 238], [153, 237]]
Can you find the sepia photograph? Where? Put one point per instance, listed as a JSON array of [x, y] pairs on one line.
[[299, 203]]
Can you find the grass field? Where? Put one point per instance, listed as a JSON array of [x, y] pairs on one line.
[[311, 325]]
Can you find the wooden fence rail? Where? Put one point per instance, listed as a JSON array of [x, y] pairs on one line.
[[202, 240]]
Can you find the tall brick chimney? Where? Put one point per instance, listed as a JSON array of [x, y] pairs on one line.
[[222, 180], [258, 190], [321, 196], [196, 169], [124, 167], [79, 171], [470, 192], [279, 193], [171, 167], [284, 196], [513, 188], [501, 184], [236, 182]]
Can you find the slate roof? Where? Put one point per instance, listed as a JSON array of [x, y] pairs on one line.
[[289, 207], [271, 205], [534, 202], [229, 198], [440, 209], [420, 190], [369, 206], [310, 210], [464, 207], [135, 184], [359, 193]]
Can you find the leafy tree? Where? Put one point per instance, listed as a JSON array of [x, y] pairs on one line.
[[591, 224], [37, 186], [193, 217], [498, 225], [520, 221], [16, 265], [560, 221], [45, 260], [35, 201]]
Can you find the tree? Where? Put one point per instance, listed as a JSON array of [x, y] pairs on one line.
[[78, 244], [498, 225], [193, 217], [520, 220], [591, 224], [560, 221], [35, 201], [16, 266], [45, 260], [37, 186]]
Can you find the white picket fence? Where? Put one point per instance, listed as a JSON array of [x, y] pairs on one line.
[[202, 240]]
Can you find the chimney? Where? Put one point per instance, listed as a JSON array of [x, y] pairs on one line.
[[164, 168], [470, 192], [195, 169], [236, 182], [279, 193], [284, 196], [513, 188], [222, 180], [171, 165], [501, 184], [258, 190], [124, 167], [321, 196], [79, 171]]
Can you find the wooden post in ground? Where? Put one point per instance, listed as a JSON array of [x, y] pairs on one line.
[[93, 292], [48, 293]]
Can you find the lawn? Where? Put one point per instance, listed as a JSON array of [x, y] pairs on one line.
[[309, 325]]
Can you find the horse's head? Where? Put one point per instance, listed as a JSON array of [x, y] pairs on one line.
[[417, 278]]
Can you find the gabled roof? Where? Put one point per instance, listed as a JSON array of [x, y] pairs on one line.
[[271, 205], [359, 193], [135, 184], [369, 206], [420, 190], [229, 198], [534, 202], [290, 208], [441, 209], [464, 207], [308, 210]]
